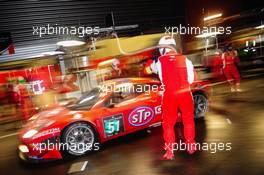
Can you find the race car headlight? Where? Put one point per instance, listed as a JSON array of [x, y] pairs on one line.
[[29, 133], [23, 148]]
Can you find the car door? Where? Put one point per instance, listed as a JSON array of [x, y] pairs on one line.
[[151, 98], [128, 111]]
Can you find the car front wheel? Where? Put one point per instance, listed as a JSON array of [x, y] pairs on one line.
[[200, 105], [79, 138]]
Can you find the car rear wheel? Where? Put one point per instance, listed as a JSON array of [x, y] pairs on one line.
[[79, 138], [200, 105]]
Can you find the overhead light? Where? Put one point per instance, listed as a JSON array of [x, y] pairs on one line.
[[107, 62], [212, 16], [52, 53], [70, 43], [205, 35], [260, 27]]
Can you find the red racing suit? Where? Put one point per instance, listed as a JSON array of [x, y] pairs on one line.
[[229, 66], [176, 74]]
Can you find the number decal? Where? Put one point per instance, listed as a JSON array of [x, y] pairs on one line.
[[113, 125]]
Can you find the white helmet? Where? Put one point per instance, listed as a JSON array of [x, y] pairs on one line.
[[166, 40], [115, 64]]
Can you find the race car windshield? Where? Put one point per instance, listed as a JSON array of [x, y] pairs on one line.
[[87, 100]]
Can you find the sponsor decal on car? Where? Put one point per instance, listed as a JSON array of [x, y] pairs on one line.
[[141, 116], [47, 132], [158, 110]]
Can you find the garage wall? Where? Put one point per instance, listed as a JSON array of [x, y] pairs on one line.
[[18, 17]]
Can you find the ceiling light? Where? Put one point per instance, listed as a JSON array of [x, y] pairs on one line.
[[205, 35], [107, 62], [52, 53], [260, 27], [212, 16], [70, 43]]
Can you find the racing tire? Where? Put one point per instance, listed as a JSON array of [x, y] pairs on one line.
[[200, 105], [79, 138]]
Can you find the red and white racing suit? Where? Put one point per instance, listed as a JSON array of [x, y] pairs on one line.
[[229, 67], [176, 74]]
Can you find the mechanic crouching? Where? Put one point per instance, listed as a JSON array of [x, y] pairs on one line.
[[176, 74]]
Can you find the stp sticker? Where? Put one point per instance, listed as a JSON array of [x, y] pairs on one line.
[[141, 116]]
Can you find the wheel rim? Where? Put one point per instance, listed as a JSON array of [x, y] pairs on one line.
[[200, 103], [80, 139]]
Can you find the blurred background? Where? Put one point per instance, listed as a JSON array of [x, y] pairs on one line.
[[36, 72]]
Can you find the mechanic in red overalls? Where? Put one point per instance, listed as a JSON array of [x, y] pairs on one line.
[[176, 74], [25, 103], [217, 67], [230, 59]]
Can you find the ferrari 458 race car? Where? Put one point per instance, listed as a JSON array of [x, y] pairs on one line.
[[113, 109]]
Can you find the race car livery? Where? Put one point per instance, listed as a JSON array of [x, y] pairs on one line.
[[113, 109]]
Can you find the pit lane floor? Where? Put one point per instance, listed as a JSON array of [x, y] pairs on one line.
[[234, 118]]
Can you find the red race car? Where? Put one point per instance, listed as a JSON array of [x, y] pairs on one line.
[[113, 109]]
